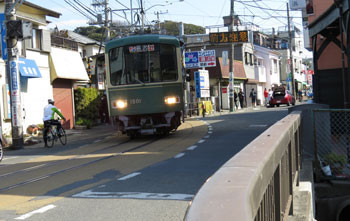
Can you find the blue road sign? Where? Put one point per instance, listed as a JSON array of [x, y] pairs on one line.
[[3, 36], [197, 84], [192, 59]]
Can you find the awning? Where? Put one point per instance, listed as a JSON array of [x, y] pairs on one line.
[[28, 68], [67, 64]]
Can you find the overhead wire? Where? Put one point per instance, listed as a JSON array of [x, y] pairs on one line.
[[78, 9], [222, 9], [93, 13]]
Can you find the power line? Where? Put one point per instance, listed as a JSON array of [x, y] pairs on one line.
[[78, 9], [222, 9]]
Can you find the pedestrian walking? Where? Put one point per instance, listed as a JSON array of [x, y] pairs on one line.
[[252, 95], [266, 95], [241, 97], [235, 96], [300, 95], [103, 110], [203, 109], [270, 95]]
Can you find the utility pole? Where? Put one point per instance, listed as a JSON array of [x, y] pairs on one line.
[[232, 57], [142, 18], [13, 79], [107, 26], [290, 53], [158, 23]]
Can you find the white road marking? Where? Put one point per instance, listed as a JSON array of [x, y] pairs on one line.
[[131, 175], [41, 210], [134, 195], [210, 132], [201, 141], [85, 145], [192, 147], [96, 141], [179, 155], [9, 158], [258, 125], [207, 136], [210, 128]]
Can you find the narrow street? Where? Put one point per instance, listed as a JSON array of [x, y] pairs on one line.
[[107, 176]]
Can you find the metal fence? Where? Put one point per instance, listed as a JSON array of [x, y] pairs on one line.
[[332, 143]]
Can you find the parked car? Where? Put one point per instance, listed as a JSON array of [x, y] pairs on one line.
[[281, 96]]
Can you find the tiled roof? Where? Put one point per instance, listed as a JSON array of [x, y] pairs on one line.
[[238, 69], [81, 39]]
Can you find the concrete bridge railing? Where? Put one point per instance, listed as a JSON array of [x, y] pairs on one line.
[[257, 183]]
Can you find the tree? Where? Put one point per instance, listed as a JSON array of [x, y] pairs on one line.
[[172, 28], [93, 32]]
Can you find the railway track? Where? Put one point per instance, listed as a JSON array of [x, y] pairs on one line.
[[29, 185]]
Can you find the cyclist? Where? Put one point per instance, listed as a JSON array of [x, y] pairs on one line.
[[49, 113]]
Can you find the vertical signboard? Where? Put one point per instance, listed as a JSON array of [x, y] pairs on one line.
[[202, 85], [3, 37], [225, 58], [231, 84], [197, 84], [15, 96]]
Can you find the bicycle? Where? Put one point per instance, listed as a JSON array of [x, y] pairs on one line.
[[54, 135]]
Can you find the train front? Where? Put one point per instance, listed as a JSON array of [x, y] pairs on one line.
[[145, 86]]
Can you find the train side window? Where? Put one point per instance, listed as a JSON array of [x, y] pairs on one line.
[[168, 62], [116, 65]]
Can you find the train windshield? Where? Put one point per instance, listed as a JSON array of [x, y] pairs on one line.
[[140, 64]]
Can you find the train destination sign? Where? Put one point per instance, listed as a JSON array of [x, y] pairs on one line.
[[229, 37]]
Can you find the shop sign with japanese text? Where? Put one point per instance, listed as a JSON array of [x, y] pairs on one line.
[[229, 37], [198, 59]]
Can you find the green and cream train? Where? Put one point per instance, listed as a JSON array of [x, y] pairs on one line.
[[145, 84]]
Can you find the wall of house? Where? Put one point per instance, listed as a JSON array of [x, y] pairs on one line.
[[5, 123], [320, 6], [325, 61], [62, 93], [38, 90], [331, 56], [274, 71], [249, 69]]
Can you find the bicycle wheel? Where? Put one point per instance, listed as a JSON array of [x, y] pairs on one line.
[[50, 138], [1, 152], [62, 136]]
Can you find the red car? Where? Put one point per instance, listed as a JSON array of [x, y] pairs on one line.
[[281, 96]]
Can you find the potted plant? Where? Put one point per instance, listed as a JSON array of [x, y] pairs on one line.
[[336, 162]]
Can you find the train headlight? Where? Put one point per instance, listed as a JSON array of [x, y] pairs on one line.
[[172, 100], [120, 104]]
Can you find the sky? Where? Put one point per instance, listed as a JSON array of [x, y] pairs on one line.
[[264, 13]]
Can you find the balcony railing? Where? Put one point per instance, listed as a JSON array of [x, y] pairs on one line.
[[64, 43]]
